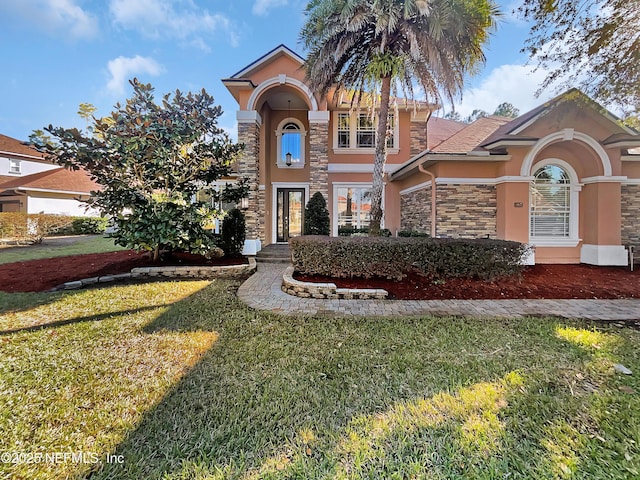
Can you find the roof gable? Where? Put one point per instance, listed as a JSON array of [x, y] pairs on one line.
[[267, 58], [9, 145]]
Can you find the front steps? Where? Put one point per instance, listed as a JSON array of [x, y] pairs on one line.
[[274, 253]]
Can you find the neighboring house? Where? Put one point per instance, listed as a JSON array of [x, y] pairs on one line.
[[562, 177], [31, 184]]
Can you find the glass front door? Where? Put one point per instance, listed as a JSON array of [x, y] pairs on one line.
[[290, 213]]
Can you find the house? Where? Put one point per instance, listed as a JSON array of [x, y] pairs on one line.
[[30, 183], [563, 177]]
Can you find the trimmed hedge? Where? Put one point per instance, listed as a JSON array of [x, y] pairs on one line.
[[394, 258], [32, 227]]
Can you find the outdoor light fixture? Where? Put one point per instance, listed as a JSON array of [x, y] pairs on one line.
[[288, 154], [244, 203]]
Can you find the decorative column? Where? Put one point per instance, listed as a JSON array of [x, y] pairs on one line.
[[319, 153], [249, 122]]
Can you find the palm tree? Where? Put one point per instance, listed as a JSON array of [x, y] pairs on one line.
[[365, 45]]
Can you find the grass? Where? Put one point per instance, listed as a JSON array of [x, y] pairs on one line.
[[179, 380], [84, 244]]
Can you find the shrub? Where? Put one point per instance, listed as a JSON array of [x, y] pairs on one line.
[[31, 227], [316, 216], [393, 258], [412, 233], [347, 231], [233, 233], [89, 225]]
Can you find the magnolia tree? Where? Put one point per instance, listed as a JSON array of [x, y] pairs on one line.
[[151, 159]]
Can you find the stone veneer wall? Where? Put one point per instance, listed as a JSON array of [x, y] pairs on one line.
[[415, 210], [466, 211], [249, 168], [319, 158], [462, 211], [630, 210], [418, 137]]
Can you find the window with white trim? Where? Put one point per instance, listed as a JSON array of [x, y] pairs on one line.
[[14, 166], [551, 203], [291, 144], [354, 206], [356, 132]]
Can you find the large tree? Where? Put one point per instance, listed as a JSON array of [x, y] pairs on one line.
[[591, 43], [151, 160], [375, 45]]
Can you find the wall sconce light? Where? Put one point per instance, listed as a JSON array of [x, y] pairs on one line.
[[288, 159], [244, 203]]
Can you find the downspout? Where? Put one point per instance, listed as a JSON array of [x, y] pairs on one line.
[[433, 199]]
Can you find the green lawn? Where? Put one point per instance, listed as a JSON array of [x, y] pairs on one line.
[[84, 244], [179, 380]]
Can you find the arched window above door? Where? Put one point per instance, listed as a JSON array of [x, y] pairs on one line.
[[290, 136]]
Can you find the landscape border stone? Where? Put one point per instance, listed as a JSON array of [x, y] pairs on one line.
[[300, 289], [191, 271]]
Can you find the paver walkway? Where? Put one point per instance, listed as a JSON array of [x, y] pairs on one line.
[[262, 292]]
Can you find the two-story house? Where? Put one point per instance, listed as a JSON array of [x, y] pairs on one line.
[[563, 177]]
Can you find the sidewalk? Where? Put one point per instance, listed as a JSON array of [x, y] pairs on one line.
[[262, 292]]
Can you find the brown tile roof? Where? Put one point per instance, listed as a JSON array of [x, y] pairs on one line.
[[12, 145], [439, 129], [56, 180], [470, 137]]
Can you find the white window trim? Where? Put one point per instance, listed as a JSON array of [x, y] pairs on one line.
[[17, 163], [303, 143], [353, 122], [334, 201], [574, 214]]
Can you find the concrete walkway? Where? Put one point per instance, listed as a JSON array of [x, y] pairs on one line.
[[262, 292]]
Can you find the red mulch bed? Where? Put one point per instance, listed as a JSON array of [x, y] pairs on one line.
[[539, 281], [42, 275]]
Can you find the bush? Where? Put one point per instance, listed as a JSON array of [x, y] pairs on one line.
[[233, 233], [412, 233], [31, 227], [316, 216], [89, 225], [347, 231], [393, 258]]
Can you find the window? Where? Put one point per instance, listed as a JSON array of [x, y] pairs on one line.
[[356, 132], [14, 166], [551, 204], [291, 142], [354, 206]]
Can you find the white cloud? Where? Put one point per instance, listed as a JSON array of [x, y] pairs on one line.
[[261, 7], [123, 68], [167, 19], [55, 15], [516, 84]]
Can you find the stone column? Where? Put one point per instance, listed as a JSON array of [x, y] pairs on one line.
[[249, 122], [319, 153]]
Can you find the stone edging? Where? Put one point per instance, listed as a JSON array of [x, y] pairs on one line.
[[195, 271], [327, 290]]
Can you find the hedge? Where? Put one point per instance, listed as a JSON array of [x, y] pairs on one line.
[[394, 258], [32, 227]]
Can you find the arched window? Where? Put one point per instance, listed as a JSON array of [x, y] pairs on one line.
[[291, 142], [553, 205]]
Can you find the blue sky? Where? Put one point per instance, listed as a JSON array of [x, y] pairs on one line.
[[60, 53]]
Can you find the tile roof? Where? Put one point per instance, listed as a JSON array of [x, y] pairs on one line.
[[56, 180], [12, 145], [470, 137]]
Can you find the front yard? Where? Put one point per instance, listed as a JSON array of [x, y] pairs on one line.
[[180, 380]]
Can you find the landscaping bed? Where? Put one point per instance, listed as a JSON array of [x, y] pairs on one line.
[[538, 281], [45, 274]]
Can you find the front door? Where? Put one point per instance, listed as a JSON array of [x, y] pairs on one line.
[[290, 213]]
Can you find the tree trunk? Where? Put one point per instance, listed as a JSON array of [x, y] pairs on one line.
[[380, 158]]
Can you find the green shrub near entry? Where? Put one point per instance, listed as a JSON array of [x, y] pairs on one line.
[[89, 225], [412, 233], [233, 233], [394, 258], [316, 216], [347, 231]]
